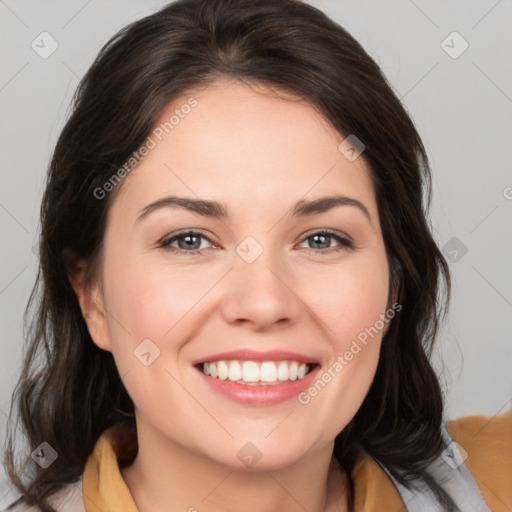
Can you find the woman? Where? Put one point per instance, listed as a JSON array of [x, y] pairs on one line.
[[238, 287]]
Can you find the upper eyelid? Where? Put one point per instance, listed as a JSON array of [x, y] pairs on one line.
[[184, 233], [327, 231]]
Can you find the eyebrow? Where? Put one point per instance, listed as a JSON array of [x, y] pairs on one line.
[[216, 210]]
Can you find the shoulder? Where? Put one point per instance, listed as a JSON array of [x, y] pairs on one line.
[[485, 445], [67, 499], [486, 439]]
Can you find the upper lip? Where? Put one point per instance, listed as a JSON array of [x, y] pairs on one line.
[[253, 355]]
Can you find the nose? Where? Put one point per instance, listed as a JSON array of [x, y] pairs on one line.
[[261, 294]]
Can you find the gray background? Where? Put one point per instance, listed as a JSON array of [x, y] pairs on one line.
[[462, 107]]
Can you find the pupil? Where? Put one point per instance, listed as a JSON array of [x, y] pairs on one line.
[[187, 239], [316, 237]]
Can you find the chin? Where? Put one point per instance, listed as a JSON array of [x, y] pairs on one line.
[[256, 455]]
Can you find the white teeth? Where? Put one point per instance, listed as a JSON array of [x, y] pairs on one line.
[[251, 372], [268, 372], [223, 370], [282, 371], [292, 372], [235, 371], [301, 372]]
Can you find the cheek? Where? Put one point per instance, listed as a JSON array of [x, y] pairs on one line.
[[154, 301], [352, 307], [353, 299], [150, 320], [351, 304]]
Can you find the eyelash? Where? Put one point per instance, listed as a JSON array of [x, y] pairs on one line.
[[345, 243]]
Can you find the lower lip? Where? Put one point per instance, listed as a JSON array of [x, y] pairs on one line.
[[260, 394]]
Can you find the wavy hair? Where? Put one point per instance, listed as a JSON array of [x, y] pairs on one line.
[[69, 391]]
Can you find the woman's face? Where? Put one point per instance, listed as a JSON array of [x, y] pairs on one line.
[[261, 284]]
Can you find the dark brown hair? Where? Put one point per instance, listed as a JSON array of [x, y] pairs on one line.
[[69, 391]]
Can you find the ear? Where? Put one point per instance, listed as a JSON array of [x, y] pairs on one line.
[[92, 303]]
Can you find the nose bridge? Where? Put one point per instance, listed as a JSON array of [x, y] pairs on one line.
[[258, 290]]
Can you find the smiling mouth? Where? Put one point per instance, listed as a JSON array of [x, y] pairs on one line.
[[256, 373]]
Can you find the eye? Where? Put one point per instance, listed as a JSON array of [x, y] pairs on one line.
[[189, 242], [322, 240]]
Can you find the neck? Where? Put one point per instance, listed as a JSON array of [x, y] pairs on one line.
[[187, 481]]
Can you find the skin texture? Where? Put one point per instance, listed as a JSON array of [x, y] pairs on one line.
[[258, 153]]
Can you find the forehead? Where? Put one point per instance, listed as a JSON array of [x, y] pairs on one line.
[[244, 145]]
